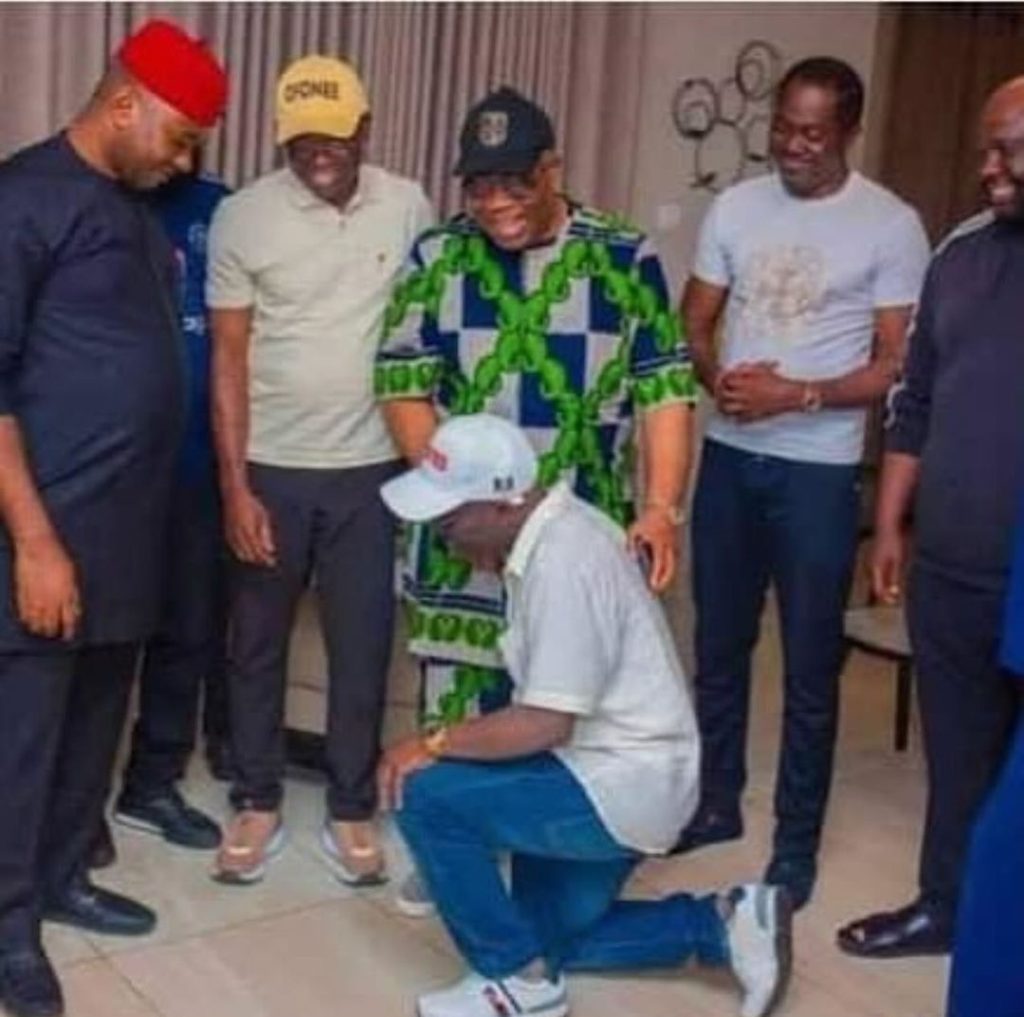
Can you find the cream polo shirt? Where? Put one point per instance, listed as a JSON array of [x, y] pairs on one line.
[[586, 636], [318, 281]]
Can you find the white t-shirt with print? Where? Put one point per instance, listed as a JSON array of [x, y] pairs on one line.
[[585, 636], [805, 277]]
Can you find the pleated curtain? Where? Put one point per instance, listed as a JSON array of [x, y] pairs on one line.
[[424, 64]]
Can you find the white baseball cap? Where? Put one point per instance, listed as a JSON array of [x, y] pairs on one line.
[[478, 457]]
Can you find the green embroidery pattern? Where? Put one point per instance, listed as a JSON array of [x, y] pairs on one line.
[[453, 705], [521, 347]]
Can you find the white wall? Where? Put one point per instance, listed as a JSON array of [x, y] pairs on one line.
[[684, 41]]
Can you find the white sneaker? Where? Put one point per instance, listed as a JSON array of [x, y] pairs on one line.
[[760, 944], [476, 996], [413, 898]]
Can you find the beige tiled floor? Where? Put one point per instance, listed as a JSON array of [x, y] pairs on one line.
[[301, 945]]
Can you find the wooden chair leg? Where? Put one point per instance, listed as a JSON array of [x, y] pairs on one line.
[[904, 689]]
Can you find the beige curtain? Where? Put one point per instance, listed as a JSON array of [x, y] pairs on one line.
[[424, 65]]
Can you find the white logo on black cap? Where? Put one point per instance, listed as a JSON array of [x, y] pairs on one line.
[[492, 128]]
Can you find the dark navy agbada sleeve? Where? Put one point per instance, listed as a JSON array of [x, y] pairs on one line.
[[23, 260]]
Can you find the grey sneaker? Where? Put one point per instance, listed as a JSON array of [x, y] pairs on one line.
[[759, 930], [413, 898]]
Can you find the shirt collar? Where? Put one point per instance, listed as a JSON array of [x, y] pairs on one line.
[[551, 506]]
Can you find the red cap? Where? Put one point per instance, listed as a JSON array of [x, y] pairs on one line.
[[178, 69]]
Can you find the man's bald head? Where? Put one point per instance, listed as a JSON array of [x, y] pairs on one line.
[[1002, 150]]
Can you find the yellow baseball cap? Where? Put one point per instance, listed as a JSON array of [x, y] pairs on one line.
[[319, 95]]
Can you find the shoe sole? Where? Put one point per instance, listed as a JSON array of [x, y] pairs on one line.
[[275, 846], [561, 1010], [892, 953], [782, 919], [140, 825], [344, 874]]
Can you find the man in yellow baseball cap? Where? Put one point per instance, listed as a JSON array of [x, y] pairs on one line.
[[301, 264], [323, 118], [319, 95]]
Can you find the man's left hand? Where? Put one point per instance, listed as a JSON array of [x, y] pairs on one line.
[[396, 764], [751, 392], [655, 530]]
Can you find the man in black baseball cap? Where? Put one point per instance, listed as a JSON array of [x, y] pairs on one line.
[[553, 316], [510, 172], [505, 133]]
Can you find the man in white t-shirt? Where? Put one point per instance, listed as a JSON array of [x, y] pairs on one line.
[[301, 266], [812, 273], [592, 766]]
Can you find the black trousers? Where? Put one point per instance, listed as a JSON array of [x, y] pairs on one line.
[[186, 658], [968, 712], [331, 526], [61, 715]]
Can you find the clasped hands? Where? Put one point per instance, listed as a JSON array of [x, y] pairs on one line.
[[755, 390]]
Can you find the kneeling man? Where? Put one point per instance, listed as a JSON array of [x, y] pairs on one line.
[[593, 766]]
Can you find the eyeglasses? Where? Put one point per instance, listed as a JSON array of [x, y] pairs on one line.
[[309, 147], [519, 187]]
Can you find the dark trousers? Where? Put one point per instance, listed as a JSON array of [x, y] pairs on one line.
[[61, 715], [331, 526], [187, 655], [987, 979], [968, 709], [760, 519]]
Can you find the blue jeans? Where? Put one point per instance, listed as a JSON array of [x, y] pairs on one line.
[[760, 519], [988, 978], [567, 871]]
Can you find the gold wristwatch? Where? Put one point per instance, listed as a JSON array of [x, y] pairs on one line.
[[810, 401], [675, 514]]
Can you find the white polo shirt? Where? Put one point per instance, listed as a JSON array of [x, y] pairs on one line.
[[318, 281], [585, 636]]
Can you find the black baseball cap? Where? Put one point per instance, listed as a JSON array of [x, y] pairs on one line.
[[503, 133]]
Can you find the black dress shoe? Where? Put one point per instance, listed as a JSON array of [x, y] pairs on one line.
[[168, 815], [102, 854], [94, 909], [709, 826], [219, 761], [28, 984], [797, 874], [917, 930]]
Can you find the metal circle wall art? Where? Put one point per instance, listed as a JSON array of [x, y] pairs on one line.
[[727, 123]]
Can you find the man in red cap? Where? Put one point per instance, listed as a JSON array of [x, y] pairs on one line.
[[91, 415]]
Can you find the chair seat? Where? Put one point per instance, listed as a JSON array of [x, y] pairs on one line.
[[878, 628]]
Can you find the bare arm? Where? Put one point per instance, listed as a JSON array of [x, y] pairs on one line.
[[756, 391], [871, 382], [667, 436], [247, 522], [230, 392], [511, 733], [411, 422], [701, 310], [667, 449], [888, 554], [45, 589]]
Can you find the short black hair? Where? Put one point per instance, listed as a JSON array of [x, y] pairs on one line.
[[836, 75]]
